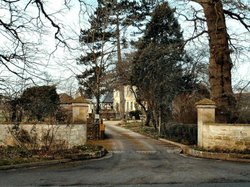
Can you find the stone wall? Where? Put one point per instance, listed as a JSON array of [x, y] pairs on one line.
[[212, 135], [226, 136], [64, 135], [79, 112]]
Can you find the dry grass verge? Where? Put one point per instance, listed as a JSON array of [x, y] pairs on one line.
[[138, 127], [17, 155]]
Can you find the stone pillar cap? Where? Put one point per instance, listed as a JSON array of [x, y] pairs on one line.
[[206, 103], [80, 100]]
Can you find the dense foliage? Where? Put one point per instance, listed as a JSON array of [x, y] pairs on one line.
[[157, 66], [96, 57], [35, 103], [182, 133]]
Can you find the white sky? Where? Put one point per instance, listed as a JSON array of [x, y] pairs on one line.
[[61, 65], [241, 70]]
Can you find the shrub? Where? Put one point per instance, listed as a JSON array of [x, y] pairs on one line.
[[186, 112], [182, 133], [243, 103], [136, 114], [11, 152], [64, 116], [40, 102], [24, 138]]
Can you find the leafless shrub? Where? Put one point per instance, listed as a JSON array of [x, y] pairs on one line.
[[184, 110]]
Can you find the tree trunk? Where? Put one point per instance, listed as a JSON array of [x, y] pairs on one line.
[[119, 68], [147, 111], [97, 111], [98, 94], [155, 119], [148, 117], [220, 64]]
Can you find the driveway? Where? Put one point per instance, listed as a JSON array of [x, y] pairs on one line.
[[133, 160]]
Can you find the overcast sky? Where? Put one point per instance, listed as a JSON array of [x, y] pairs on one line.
[[61, 64], [241, 70]]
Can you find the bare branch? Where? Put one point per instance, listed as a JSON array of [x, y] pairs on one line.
[[239, 18], [194, 37], [41, 7]]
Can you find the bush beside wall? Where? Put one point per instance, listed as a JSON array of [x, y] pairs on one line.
[[182, 133]]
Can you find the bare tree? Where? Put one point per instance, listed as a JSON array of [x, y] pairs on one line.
[[215, 14], [19, 20], [24, 27]]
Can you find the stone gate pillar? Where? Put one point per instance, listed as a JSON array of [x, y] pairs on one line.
[[206, 113], [80, 109]]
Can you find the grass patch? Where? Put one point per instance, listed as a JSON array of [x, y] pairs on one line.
[[17, 155], [7, 161], [141, 129]]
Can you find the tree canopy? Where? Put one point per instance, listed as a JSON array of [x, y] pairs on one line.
[[21, 19], [220, 63], [39, 102], [157, 66]]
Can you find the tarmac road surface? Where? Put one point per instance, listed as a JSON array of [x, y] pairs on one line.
[[133, 160]]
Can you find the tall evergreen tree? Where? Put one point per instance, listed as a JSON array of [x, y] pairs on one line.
[[122, 14], [157, 71], [96, 58]]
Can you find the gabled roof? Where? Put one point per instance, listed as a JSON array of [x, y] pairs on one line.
[[108, 98], [65, 98]]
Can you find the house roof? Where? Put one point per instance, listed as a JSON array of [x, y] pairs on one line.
[[108, 98], [65, 98]]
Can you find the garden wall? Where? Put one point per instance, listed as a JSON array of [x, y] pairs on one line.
[[219, 136], [62, 134], [226, 136]]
